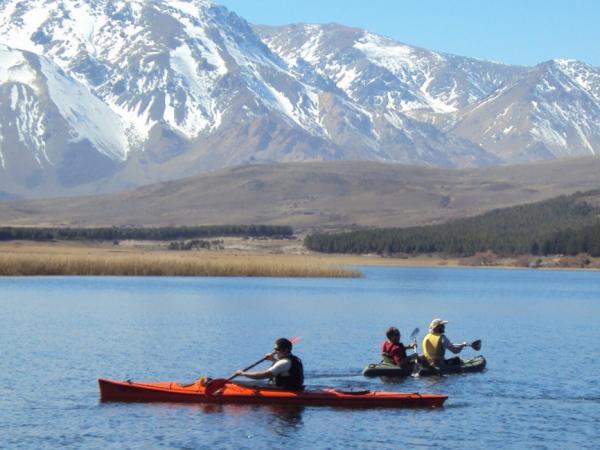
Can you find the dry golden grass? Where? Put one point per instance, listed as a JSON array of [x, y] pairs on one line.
[[27, 259], [241, 258]]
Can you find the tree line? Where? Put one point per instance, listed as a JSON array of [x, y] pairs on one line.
[[142, 233], [562, 225]]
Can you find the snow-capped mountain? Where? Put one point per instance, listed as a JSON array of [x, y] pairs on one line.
[[519, 114], [381, 73], [551, 111], [172, 71], [52, 127], [99, 95]]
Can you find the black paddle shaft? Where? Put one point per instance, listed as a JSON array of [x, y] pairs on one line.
[[214, 386], [251, 366]]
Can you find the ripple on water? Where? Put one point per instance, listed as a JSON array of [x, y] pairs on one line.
[[59, 335]]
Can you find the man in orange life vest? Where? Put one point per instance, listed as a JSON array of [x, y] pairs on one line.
[[436, 343], [394, 351]]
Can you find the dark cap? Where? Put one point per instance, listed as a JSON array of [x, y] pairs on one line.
[[283, 344]]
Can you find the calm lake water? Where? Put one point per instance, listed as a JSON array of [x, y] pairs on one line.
[[539, 331]]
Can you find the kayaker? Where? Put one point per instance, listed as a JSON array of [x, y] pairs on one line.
[[393, 351], [286, 372], [435, 344]]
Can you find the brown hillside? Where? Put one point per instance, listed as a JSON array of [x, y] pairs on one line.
[[329, 195]]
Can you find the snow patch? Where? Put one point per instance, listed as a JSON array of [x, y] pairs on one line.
[[14, 98], [437, 104], [198, 84], [89, 116], [545, 87], [15, 68], [29, 120], [82, 23], [408, 66], [386, 52], [584, 139], [346, 77], [310, 49], [545, 133], [137, 127], [35, 15], [185, 7], [395, 120], [283, 103], [211, 51], [489, 99]]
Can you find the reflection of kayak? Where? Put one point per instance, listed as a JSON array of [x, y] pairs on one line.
[[476, 364], [129, 391]]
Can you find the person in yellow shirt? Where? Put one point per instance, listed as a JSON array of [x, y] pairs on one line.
[[435, 344]]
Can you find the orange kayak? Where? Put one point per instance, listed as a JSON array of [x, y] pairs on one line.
[[167, 391]]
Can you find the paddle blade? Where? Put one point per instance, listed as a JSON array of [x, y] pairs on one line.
[[476, 345], [215, 386], [414, 333]]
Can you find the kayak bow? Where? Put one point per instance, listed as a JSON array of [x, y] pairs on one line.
[[129, 391]]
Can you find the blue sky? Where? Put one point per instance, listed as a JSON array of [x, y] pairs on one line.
[[523, 32]]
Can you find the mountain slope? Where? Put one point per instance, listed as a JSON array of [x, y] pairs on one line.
[[327, 195], [52, 128]]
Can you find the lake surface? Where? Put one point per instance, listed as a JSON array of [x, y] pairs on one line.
[[539, 331]]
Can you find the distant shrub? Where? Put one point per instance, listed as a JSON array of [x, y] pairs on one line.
[[581, 261], [480, 259], [532, 262], [197, 244]]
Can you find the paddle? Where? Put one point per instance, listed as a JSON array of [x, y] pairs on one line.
[[413, 337], [417, 365], [214, 386], [476, 345]]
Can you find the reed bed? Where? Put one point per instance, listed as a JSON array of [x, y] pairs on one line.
[[157, 264]]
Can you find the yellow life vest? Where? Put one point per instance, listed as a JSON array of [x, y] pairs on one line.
[[432, 348]]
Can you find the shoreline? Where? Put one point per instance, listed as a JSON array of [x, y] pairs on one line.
[[235, 257]]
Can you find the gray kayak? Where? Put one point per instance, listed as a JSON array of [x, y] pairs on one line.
[[476, 364]]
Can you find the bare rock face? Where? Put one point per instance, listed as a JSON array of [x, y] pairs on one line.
[[102, 95]]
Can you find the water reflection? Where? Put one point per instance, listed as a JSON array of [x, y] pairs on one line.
[[281, 419], [286, 419]]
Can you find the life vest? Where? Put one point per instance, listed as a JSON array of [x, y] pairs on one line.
[[389, 350], [294, 381], [432, 348]]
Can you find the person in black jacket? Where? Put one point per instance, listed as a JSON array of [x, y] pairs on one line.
[[286, 372]]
